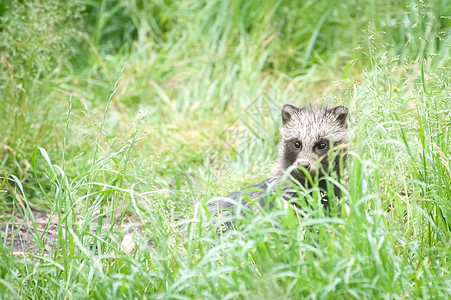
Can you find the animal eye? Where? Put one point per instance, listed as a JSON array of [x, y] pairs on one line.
[[322, 146], [297, 145]]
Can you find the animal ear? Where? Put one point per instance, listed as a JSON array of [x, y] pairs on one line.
[[341, 114], [287, 112]]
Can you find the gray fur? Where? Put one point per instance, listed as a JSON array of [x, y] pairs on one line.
[[305, 131]]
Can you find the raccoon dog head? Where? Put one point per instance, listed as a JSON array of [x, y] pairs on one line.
[[310, 137]]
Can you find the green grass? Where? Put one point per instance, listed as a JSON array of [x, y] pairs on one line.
[[144, 111]]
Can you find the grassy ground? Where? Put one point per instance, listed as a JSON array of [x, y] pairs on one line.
[[146, 110]]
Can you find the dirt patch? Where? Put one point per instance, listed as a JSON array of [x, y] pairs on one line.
[[23, 236]]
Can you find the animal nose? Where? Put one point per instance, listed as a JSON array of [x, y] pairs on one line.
[[304, 163]]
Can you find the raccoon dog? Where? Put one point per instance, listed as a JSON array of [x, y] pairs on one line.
[[313, 139]]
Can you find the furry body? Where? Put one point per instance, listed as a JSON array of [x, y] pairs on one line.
[[313, 139]]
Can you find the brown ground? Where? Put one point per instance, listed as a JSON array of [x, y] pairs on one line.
[[20, 235]]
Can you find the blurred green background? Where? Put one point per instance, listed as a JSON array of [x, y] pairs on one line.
[[192, 67]]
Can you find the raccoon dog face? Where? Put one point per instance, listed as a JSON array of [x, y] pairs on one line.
[[309, 137]]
